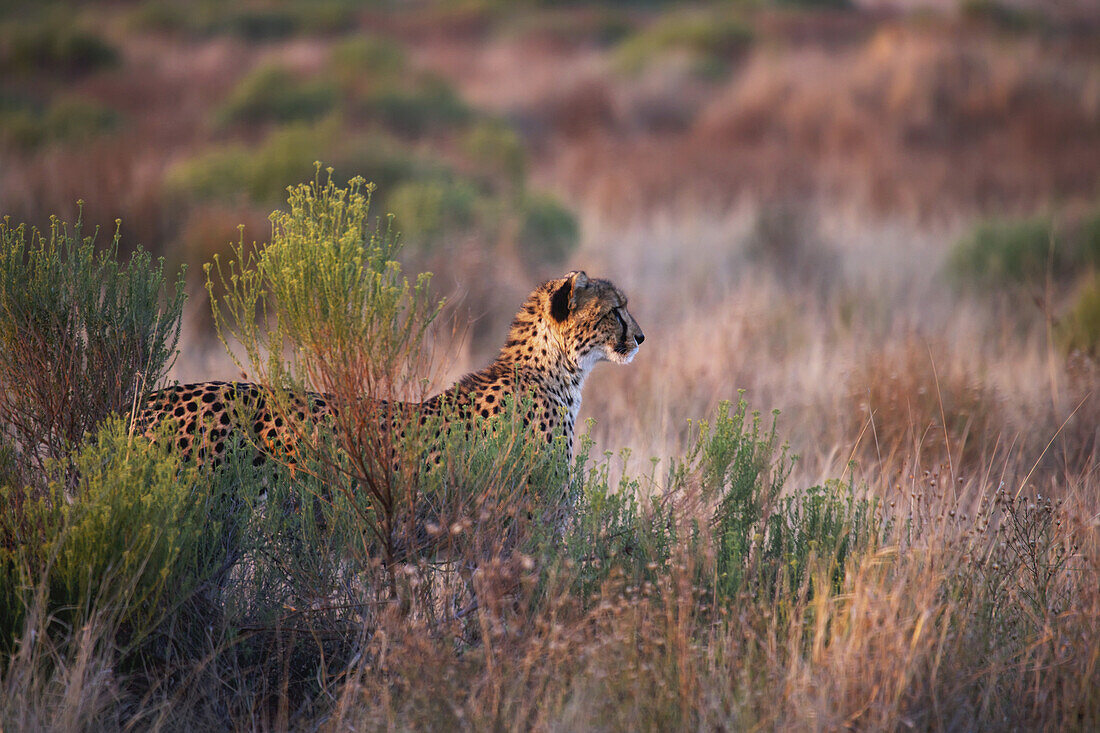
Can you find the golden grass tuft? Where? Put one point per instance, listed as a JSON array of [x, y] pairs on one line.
[[914, 398]]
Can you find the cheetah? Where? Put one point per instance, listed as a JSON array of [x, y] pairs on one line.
[[564, 328]]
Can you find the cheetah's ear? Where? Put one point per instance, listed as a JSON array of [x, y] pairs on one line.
[[564, 298]]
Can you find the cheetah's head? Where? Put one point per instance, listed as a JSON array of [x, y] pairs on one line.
[[591, 319]]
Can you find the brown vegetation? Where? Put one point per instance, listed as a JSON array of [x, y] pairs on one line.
[[927, 123]]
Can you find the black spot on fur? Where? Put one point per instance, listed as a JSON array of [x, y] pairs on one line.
[[559, 302]]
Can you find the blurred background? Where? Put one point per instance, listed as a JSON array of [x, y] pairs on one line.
[[881, 217]]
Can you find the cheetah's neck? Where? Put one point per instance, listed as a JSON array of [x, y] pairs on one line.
[[544, 366]]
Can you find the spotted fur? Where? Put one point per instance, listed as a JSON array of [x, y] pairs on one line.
[[565, 327]]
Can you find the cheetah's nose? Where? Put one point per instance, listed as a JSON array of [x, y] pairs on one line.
[[639, 338]]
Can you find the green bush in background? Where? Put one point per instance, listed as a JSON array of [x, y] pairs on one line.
[[549, 232], [54, 44], [259, 174], [710, 40], [412, 111], [1005, 15], [1000, 252], [1008, 252], [1079, 328], [367, 58], [272, 94], [67, 119], [1085, 235], [389, 163], [497, 149], [426, 211], [75, 119], [256, 22]]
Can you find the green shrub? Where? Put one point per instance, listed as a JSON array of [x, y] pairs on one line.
[[20, 128], [76, 120], [349, 323], [428, 200], [1003, 15], [1079, 328], [710, 41], [81, 336], [261, 174], [69, 119], [429, 106], [221, 173], [498, 150], [55, 45], [1086, 238], [1003, 252], [602, 24], [761, 541], [367, 57], [268, 21], [739, 471], [998, 252], [272, 94], [615, 531], [819, 528], [549, 232], [424, 211], [256, 24], [388, 163], [138, 535], [834, 4]]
